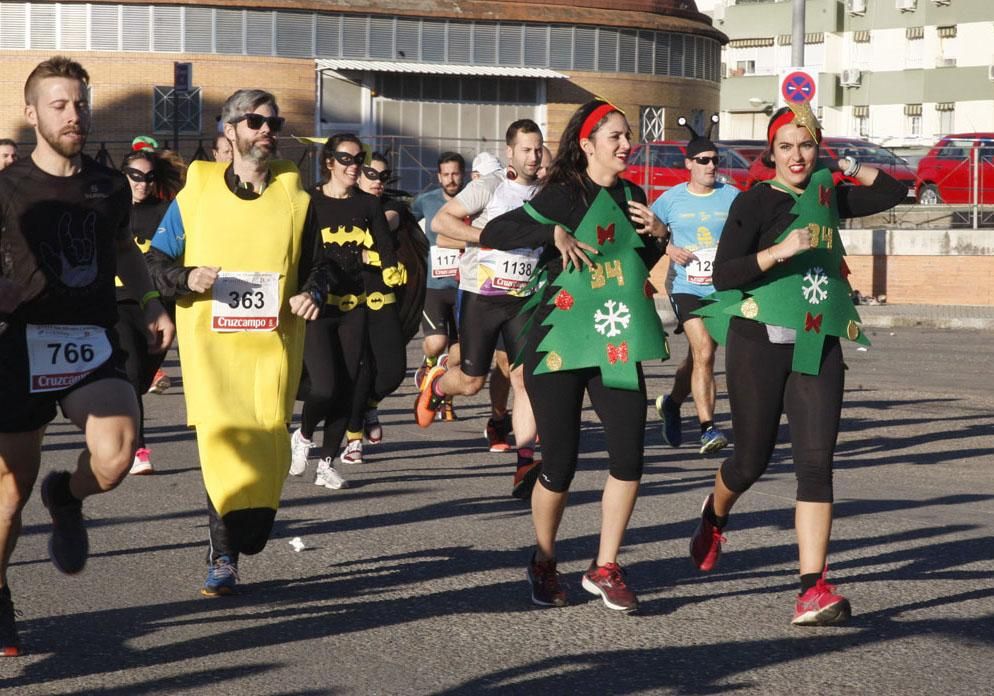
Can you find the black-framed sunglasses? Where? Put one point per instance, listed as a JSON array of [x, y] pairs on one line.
[[374, 174], [347, 159], [707, 160], [138, 176], [255, 121]]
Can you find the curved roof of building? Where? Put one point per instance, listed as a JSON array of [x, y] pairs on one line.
[[660, 15]]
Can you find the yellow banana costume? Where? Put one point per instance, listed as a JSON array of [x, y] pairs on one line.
[[240, 386]]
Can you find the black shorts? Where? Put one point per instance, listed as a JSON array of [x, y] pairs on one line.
[[438, 318], [683, 306], [482, 321], [20, 410]]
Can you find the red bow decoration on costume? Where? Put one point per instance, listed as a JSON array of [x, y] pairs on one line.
[[824, 196], [616, 353], [811, 322], [844, 270], [605, 234], [564, 300]]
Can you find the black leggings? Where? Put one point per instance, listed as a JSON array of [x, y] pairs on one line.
[[557, 401], [333, 348], [761, 385], [140, 365], [384, 365]]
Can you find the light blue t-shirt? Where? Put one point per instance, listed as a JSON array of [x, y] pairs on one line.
[[425, 207], [695, 222]]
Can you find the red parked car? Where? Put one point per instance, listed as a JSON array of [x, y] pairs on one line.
[[660, 165], [832, 149], [946, 174]]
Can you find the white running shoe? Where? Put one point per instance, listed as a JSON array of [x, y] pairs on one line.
[[142, 463], [328, 477], [299, 448], [352, 453]]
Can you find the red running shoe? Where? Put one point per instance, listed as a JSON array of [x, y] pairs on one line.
[[608, 581], [547, 591], [524, 479], [820, 606], [497, 432], [705, 545], [428, 403]]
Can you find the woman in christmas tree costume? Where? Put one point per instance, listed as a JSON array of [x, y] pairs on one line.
[[780, 276], [592, 324]]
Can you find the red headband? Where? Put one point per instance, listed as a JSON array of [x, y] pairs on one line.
[[594, 118], [787, 117]]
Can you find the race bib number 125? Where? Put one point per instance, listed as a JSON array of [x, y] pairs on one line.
[[245, 301]]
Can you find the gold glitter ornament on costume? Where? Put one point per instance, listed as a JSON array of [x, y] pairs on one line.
[[852, 331], [805, 117], [750, 309], [554, 361]]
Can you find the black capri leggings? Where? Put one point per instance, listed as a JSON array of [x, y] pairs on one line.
[[333, 347], [141, 365], [761, 386], [557, 401]]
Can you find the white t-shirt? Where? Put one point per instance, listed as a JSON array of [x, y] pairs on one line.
[[489, 271]]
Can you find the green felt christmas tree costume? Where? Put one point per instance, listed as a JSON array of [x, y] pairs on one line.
[[602, 317], [809, 293]]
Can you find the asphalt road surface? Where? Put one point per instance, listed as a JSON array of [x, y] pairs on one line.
[[412, 580]]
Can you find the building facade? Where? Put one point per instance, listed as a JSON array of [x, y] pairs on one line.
[[416, 77], [901, 73]]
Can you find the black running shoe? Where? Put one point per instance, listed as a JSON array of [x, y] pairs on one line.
[[68, 547], [10, 643]]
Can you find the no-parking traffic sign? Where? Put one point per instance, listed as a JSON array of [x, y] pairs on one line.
[[798, 85]]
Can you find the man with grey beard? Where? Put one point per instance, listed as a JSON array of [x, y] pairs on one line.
[[64, 235], [241, 251]]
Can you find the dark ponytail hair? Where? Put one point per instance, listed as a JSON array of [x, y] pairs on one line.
[[570, 164], [169, 170]]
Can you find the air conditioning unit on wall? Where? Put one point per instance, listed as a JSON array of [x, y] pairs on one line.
[[906, 5], [856, 7], [990, 72], [850, 78]]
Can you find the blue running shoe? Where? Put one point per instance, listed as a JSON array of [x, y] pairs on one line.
[[222, 578], [712, 440], [669, 412]]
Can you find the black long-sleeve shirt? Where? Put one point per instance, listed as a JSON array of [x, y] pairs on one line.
[[761, 214]]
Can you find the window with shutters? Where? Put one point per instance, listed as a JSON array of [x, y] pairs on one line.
[[584, 48], [408, 44], [484, 44], [460, 40], [229, 32], [536, 46], [914, 53], [381, 37], [105, 27], [294, 34], [509, 47], [627, 41], [663, 64], [13, 20], [163, 106], [646, 52], [43, 26], [329, 28], [561, 47], [354, 36], [166, 32], [607, 50], [259, 33], [134, 28], [72, 31], [198, 30], [433, 42]]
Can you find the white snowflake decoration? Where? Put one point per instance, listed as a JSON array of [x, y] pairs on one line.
[[617, 315], [815, 289]]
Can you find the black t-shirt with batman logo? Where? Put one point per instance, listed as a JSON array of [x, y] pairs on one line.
[[58, 240]]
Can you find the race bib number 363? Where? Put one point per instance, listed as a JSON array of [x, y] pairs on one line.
[[60, 356], [245, 301]]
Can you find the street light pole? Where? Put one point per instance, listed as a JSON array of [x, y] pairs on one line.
[[797, 37]]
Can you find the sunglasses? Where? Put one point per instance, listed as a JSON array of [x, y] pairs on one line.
[[138, 176], [255, 121], [347, 159], [706, 160], [373, 174]]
